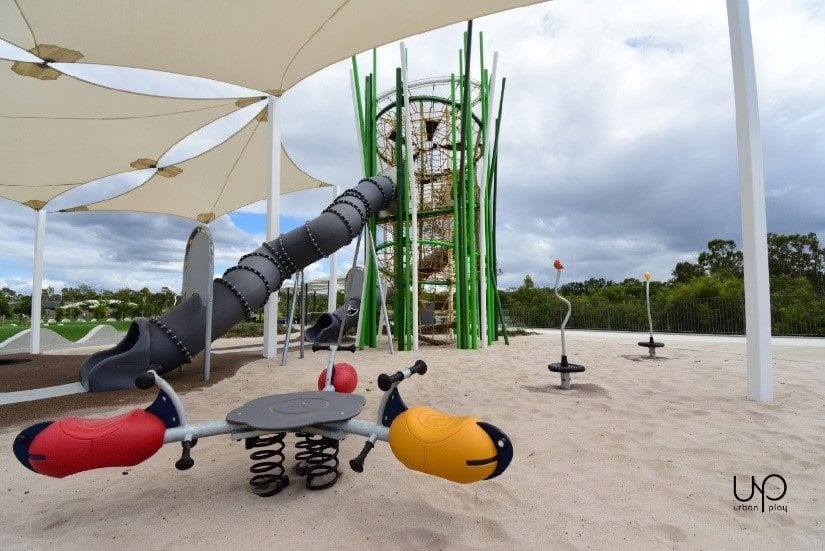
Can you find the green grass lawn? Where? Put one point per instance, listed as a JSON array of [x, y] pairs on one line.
[[72, 331], [7, 331]]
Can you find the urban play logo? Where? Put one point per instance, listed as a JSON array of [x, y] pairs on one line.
[[772, 493]]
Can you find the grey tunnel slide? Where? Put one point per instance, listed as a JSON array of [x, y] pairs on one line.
[[169, 341], [328, 326]]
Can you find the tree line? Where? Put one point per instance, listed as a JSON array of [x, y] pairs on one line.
[[85, 301], [706, 296]]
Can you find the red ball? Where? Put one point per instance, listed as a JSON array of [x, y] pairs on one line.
[[344, 378]]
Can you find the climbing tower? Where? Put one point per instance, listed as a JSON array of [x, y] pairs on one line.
[[436, 250]]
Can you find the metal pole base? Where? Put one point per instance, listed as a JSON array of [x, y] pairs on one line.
[[651, 346]]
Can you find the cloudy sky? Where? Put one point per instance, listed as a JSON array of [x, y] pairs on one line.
[[618, 147]]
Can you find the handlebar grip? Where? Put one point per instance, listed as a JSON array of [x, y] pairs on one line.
[[145, 381], [385, 381], [419, 367], [316, 346]]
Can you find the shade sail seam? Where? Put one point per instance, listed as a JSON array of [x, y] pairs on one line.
[[194, 110], [28, 25], [308, 40], [234, 165], [41, 185]]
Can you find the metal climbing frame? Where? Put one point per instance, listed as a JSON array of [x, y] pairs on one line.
[[453, 189]]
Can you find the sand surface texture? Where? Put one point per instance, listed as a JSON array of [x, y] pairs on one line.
[[638, 454]]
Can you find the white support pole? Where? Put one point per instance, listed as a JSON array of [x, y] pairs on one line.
[[210, 300], [752, 197], [333, 268], [413, 195], [273, 204], [482, 206], [37, 282]]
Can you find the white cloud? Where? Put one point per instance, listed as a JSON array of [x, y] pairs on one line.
[[618, 146]]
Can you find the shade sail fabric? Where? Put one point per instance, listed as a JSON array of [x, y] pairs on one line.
[[262, 44], [232, 175], [57, 134]]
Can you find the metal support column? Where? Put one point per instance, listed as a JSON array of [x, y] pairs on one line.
[[752, 197], [273, 205]]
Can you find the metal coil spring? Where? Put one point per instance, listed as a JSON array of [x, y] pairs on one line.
[[317, 460], [268, 470]]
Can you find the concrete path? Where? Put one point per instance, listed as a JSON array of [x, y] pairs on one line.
[[40, 393], [815, 342]]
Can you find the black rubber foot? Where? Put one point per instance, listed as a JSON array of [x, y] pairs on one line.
[[184, 463], [357, 466]]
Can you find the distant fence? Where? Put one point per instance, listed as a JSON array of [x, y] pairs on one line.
[[706, 316]]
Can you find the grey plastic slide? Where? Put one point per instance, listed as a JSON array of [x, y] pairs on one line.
[[328, 326], [172, 339]]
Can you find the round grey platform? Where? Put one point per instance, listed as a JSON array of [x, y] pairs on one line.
[[282, 412]]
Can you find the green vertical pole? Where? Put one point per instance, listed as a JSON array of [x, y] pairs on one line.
[[499, 309], [484, 186], [471, 234], [366, 322], [494, 181], [399, 244], [467, 138], [457, 249], [368, 336], [462, 205], [373, 335]]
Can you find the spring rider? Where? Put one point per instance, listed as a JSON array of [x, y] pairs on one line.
[[564, 367], [650, 344]]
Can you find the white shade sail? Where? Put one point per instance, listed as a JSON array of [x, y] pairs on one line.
[[232, 175], [262, 44], [61, 133]]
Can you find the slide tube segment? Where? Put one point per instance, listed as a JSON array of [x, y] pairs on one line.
[[167, 342], [330, 325]]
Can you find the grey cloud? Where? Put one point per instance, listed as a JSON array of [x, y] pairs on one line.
[[613, 159]]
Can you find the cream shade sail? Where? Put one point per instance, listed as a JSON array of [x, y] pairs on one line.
[[262, 44], [232, 175], [61, 133]]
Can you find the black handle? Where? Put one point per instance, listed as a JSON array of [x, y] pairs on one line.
[[357, 464], [145, 381], [316, 346], [385, 381]]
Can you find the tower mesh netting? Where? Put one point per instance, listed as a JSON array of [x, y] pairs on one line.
[[435, 160]]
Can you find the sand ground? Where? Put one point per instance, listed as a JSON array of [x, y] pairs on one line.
[[638, 454]]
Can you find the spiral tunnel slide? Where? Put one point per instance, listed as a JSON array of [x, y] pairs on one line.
[[167, 342]]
